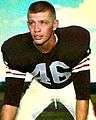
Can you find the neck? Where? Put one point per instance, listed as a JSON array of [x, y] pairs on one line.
[[48, 45]]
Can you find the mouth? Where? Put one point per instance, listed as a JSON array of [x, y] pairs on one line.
[[38, 37]]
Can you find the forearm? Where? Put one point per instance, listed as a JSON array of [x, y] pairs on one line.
[[82, 107], [8, 112]]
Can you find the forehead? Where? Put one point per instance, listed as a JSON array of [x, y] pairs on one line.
[[39, 15]]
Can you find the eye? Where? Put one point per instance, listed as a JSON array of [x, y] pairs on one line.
[[30, 22], [43, 22]]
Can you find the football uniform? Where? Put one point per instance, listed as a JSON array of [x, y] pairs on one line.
[[53, 75]]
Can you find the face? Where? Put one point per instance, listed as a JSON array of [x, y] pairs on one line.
[[41, 26]]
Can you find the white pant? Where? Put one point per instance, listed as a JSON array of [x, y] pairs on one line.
[[38, 97]]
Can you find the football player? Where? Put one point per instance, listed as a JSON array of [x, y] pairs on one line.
[[56, 60]]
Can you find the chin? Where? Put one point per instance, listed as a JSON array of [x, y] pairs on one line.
[[38, 43]]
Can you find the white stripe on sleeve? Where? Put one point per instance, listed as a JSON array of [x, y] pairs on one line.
[[83, 65], [15, 73]]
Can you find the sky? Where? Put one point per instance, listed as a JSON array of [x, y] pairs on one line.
[[69, 12]]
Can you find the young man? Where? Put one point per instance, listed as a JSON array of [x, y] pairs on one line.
[[55, 58]]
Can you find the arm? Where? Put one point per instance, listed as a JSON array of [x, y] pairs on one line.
[[82, 89], [8, 112], [13, 91], [14, 80], [82, 109]]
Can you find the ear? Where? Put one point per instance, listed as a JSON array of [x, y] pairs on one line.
[[55, 24]]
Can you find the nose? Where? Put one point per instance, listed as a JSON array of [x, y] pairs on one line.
[[37, 28]]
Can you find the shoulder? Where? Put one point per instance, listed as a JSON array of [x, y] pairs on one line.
[[15, 50], [15, 40], [72, 28], [73, 31], [75, 42], [74, 35]]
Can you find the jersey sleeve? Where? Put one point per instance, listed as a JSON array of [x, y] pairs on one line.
[[13, 91], [81, 79], [81, 71], [82, 85], [14, 80]]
